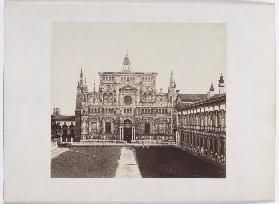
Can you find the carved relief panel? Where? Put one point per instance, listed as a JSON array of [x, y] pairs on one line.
[[84, 125]]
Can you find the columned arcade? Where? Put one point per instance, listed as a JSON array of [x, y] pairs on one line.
[[202, 128]]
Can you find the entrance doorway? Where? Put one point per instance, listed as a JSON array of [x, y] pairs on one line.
[[127, 134]]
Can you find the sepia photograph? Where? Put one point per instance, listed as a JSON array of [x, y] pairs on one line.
[[138, 100]]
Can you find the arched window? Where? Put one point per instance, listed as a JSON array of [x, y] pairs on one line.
[[58, 128], [110, 97], [147, 128], [72, 130], [105, 97], [64, 129], [128, 121]]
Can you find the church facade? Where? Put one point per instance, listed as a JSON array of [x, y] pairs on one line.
[[126, 107]]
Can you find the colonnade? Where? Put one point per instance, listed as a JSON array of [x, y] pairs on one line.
[[209, 145], [202, 128]]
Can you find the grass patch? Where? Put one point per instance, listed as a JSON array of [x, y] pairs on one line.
[[172, 162], [86, 162]]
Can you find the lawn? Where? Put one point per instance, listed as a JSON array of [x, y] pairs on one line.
[[86, 162], [153, 162], [171, 162]]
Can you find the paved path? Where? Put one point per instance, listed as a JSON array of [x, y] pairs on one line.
[[127, 165], [58, 151]]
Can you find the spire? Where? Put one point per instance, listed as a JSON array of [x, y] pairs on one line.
[[81, 77], [171, 79], [94, 87], [174, 85], [211, 87], [85, 81]]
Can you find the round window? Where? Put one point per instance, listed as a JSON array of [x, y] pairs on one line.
[[127, 100]]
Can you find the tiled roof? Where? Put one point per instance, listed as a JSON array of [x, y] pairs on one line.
[[190, 98], [63, 118], [216, 97]]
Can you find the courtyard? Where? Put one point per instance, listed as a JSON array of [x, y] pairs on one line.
[[145, 162]]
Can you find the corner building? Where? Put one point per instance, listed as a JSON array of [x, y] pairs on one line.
[[126, 107]]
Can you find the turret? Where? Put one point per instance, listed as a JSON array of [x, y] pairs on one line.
[[85, 85], [211, 91], [94, 89], [82, 96], [221, 85], [82, 86], [56, 111], [172, 89]]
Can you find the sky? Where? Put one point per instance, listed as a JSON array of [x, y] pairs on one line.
[[196, 53]]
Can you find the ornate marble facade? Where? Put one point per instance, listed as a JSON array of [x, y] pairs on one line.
[[125, 107]]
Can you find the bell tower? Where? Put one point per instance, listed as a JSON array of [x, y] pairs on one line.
[[221, 84], [210, 93]]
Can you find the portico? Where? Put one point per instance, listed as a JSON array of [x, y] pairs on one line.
[[127, 130]]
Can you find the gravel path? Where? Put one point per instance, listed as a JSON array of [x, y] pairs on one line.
[[127, 165]]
